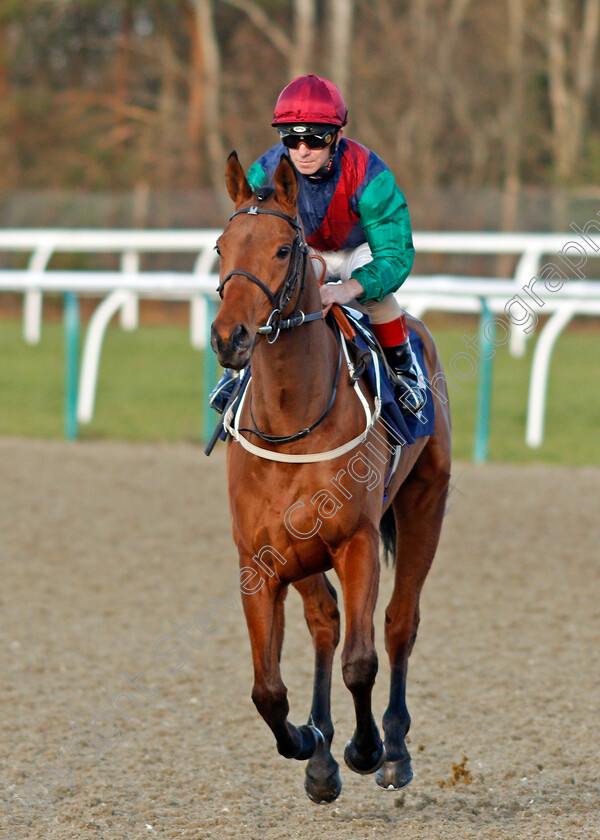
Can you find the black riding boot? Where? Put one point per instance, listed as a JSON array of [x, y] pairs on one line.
[[410, 393], [220, 394]]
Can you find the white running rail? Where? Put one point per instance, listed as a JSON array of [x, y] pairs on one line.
[[536, 253]]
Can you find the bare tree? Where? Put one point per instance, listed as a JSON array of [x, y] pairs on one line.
[[303, 38], [570, 81], [195, 119], [460, 97], [297, 48], [449, 92], [123, 54], [513, 123], [341, 20], [3, 59], [428, 89], [211, 56]]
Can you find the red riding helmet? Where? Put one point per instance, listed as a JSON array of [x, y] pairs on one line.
[[310, 99]]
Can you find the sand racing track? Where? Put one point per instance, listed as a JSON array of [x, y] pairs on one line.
[[110, 551]]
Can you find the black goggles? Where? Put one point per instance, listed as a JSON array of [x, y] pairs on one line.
[[312, 140]]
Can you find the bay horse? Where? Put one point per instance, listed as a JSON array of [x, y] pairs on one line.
[[300, 405]]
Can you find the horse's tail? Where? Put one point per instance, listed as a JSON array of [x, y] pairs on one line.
[[387, 531]]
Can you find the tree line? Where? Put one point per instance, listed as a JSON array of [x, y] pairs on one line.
[[153, 94]]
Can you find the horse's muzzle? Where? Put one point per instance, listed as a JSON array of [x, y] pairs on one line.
[[233, 351]]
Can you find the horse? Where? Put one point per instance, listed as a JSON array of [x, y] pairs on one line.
[[296, 433]]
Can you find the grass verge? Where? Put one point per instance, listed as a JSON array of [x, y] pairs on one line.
[[151, 388]]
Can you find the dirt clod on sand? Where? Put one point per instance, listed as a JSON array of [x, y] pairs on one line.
[[460, 775]]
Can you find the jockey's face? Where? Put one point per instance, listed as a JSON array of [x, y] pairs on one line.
[[308, 161]]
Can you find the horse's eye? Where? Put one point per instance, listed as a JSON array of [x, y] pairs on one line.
[[284, 252], [217, 249]]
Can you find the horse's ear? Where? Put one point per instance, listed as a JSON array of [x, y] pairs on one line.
[[286, 184], [237, 184]]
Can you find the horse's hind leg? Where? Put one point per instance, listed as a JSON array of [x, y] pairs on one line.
[[419, 509], [264, 617], [323, 781]]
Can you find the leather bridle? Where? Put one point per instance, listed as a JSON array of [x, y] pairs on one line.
[[296, 273]]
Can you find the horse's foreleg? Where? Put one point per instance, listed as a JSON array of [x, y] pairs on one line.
[[264, 617], [357, 567], [323, 781], [419, 508]]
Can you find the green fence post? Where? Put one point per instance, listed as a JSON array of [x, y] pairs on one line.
[[71, 328], [484, 384], [209, 417]]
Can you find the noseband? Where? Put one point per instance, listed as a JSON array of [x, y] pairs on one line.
[[296, 272]]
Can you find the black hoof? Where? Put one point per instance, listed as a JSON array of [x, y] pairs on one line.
[[394, 775], [323, 791], [364, 765]]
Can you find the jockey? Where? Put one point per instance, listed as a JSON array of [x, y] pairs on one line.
[[354, 216]]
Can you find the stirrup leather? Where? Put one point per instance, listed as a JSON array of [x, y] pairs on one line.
[[410, 394]]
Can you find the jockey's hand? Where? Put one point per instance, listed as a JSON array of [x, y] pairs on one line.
[[339, 293]]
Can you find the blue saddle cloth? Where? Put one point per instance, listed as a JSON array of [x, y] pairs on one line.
[[407, 427]]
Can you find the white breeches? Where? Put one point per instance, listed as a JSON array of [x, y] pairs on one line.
[[341, 264]]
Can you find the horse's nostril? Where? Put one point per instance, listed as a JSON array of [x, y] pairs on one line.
[[239, 337]]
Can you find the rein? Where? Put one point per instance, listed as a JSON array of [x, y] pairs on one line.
[[303, 432]]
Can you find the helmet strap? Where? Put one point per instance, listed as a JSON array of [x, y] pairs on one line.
[[326, 168]]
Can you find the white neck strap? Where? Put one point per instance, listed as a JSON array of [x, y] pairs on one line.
[[313, 457]]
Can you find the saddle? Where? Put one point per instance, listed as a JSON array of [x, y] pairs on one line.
[[361, 357], [352, 322]]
